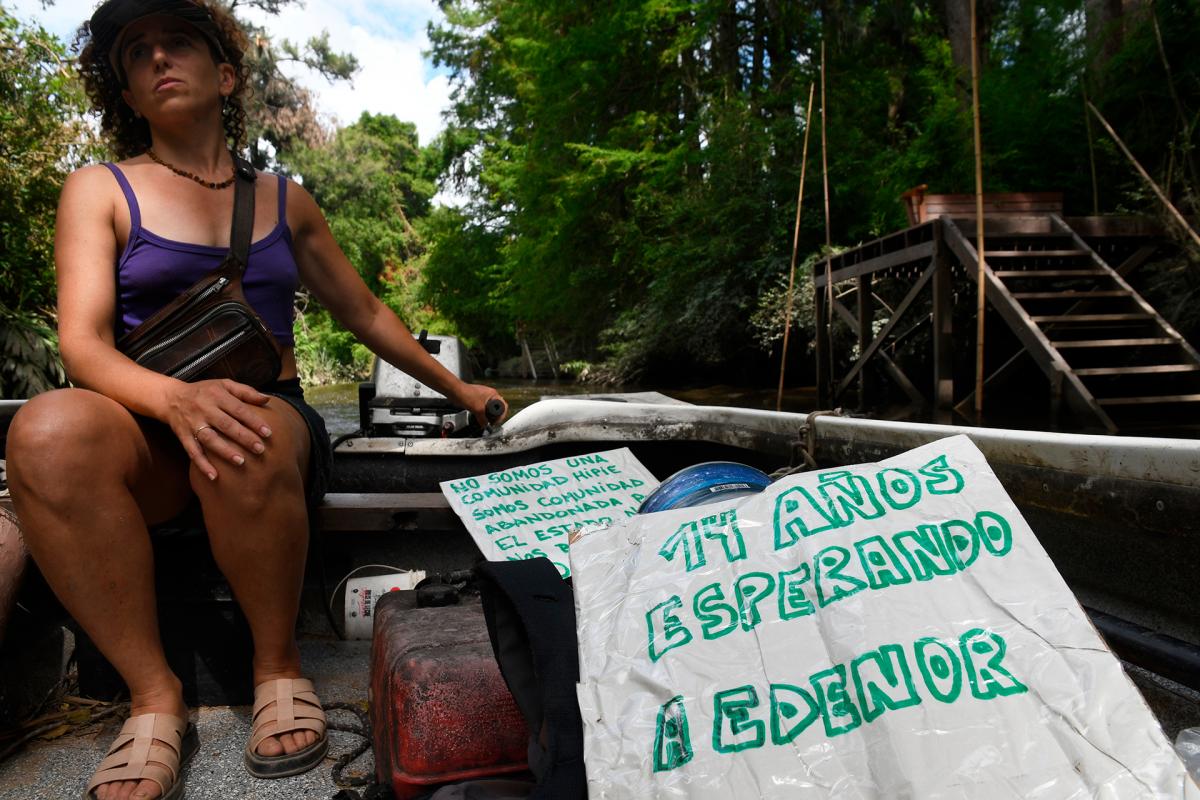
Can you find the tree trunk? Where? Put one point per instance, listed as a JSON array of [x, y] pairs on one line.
[[1105, 20], [727, 49], [690, 104], [784, 94], [958, 31], [760, 34]]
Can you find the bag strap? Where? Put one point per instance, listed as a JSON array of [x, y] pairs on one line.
[[530, 612], [242, 226]]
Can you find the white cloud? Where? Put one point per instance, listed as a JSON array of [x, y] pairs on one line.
[[386, 36], [388, 39]]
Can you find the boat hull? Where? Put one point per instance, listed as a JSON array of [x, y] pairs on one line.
[[1116, 514]]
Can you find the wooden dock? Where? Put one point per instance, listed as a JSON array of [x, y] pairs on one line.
[[1058, 283]]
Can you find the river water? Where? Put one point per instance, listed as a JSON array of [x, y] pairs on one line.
[[338, 403]]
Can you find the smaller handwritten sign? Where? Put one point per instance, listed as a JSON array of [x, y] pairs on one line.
[[529, 512]]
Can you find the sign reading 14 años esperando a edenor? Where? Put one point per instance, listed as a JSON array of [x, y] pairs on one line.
[[883, 630]]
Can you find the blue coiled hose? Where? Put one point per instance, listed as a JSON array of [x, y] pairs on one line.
[[701, 484]]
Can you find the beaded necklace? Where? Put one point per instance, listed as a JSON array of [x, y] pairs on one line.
[[185, 174]]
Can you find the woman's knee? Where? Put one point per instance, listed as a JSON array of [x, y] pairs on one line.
[[265, 478], [65, 438]]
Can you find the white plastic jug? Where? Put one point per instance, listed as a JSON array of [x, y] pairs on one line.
[[363, 593]]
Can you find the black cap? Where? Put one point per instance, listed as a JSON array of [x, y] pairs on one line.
[[113, 16]]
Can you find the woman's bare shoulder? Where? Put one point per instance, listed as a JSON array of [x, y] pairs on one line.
[[87, 219], [302, 210], [295, 189], [101, 174], [89, 192], [94, 178]]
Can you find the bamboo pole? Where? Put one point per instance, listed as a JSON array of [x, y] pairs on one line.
[[1189, 162], [787, 324], [1162, 55], [529, 357], [979, 243], [1087, 121], [828, 234], [1146, 176], [824, 152]]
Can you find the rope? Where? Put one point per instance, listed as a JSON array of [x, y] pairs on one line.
[[803, 447], [375, 792], [810, 432], [362, 729]]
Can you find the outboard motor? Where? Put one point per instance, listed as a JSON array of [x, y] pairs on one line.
[[395, 404]]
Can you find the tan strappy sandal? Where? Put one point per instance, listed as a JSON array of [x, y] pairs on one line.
[[156, 746], [296, 708]]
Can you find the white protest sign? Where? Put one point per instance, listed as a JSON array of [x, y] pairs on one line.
[[880, 631], [527, 512]]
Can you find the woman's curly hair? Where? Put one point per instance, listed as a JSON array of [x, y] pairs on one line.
[[129, 135]]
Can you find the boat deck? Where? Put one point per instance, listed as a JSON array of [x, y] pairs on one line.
[[61, 768]]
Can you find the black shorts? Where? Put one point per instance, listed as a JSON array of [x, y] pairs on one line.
[[320, 460]]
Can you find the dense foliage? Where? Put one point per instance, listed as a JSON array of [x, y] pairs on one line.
[[632, 165], [42, 135], [375, 184]]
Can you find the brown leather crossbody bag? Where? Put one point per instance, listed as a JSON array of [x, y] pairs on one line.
[[210, 331]]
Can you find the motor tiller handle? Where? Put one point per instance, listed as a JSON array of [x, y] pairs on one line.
[[494, 410]]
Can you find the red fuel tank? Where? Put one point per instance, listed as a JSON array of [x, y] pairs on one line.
[[440, 710]]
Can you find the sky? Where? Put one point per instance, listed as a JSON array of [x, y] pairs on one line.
[[387, 36]]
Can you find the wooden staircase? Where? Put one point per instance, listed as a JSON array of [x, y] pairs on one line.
[[1107, 352]]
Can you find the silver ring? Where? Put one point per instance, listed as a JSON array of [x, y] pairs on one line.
[[196, 433]]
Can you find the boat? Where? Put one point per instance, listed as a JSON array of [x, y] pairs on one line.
[[1116, 514]]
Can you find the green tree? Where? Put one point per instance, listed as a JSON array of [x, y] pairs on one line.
[[628, 163], [632, 164], [375, 184], [281, 114], [462, 280], [43, 136]]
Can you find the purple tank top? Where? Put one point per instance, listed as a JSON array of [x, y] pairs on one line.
[[153, 271]]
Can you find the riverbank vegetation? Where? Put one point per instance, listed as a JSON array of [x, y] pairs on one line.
[[43, 137], [627, 171]]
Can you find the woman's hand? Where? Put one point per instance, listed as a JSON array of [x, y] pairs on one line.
[[218, 418], [474, 397]]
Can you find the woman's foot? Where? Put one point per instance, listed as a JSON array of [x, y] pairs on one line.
[[286, 743], [167, 701], [287, 735]]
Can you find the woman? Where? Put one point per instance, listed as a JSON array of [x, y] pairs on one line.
[[168, 79]]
